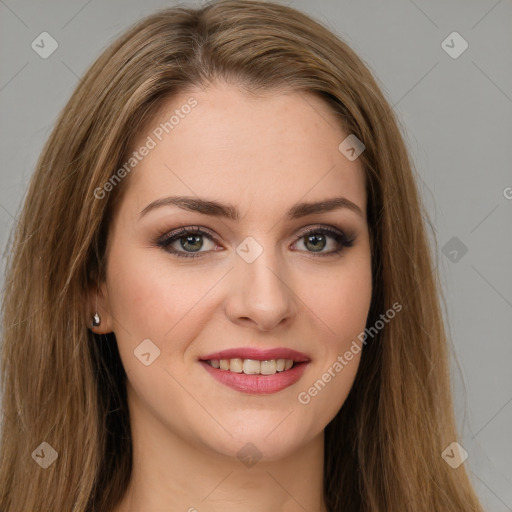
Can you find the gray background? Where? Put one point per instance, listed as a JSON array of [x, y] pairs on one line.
[[456, 116]]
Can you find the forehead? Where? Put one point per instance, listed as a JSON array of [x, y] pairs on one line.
[[272, 148]]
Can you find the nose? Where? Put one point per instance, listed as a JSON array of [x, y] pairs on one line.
[[260, 293]]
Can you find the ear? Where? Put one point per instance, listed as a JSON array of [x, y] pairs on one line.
[[98, 303]]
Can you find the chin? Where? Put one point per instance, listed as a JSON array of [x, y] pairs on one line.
[[269, 439]]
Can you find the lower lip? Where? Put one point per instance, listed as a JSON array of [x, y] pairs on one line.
[[257, 384]]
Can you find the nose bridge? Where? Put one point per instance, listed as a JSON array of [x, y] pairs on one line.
[[260, 290]]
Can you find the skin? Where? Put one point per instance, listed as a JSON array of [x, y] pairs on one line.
[[262, 154]]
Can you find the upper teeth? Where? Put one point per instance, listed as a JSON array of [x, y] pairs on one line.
[[252, 366]]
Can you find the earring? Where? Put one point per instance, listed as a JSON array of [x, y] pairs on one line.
[[96, 320]]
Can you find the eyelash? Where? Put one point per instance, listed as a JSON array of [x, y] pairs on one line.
[[165, 241]]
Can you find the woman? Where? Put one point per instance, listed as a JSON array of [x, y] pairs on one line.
[[220, 293]]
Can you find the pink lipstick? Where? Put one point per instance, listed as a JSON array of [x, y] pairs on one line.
[[240, 368]]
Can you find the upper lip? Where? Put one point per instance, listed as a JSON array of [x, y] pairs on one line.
[[257, 354]]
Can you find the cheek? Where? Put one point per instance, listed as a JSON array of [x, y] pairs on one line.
[[152, 299], [340, 303], [340, 298]]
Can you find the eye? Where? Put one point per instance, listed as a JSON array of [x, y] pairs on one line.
[[316, 239], [189, 239], [188, 242]]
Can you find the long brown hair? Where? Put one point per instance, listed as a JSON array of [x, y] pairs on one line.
[[65, 386]]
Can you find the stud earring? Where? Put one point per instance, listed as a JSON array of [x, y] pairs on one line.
[[96, 320]]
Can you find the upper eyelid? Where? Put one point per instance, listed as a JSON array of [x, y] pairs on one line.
[[206, 231], [188, 229]]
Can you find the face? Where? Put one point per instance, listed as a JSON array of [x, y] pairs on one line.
[[185, 282]]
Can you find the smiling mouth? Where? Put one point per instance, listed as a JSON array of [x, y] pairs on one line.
[[253, 366], [260, 375]]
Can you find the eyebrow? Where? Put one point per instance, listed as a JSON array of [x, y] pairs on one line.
[[216, 209]]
